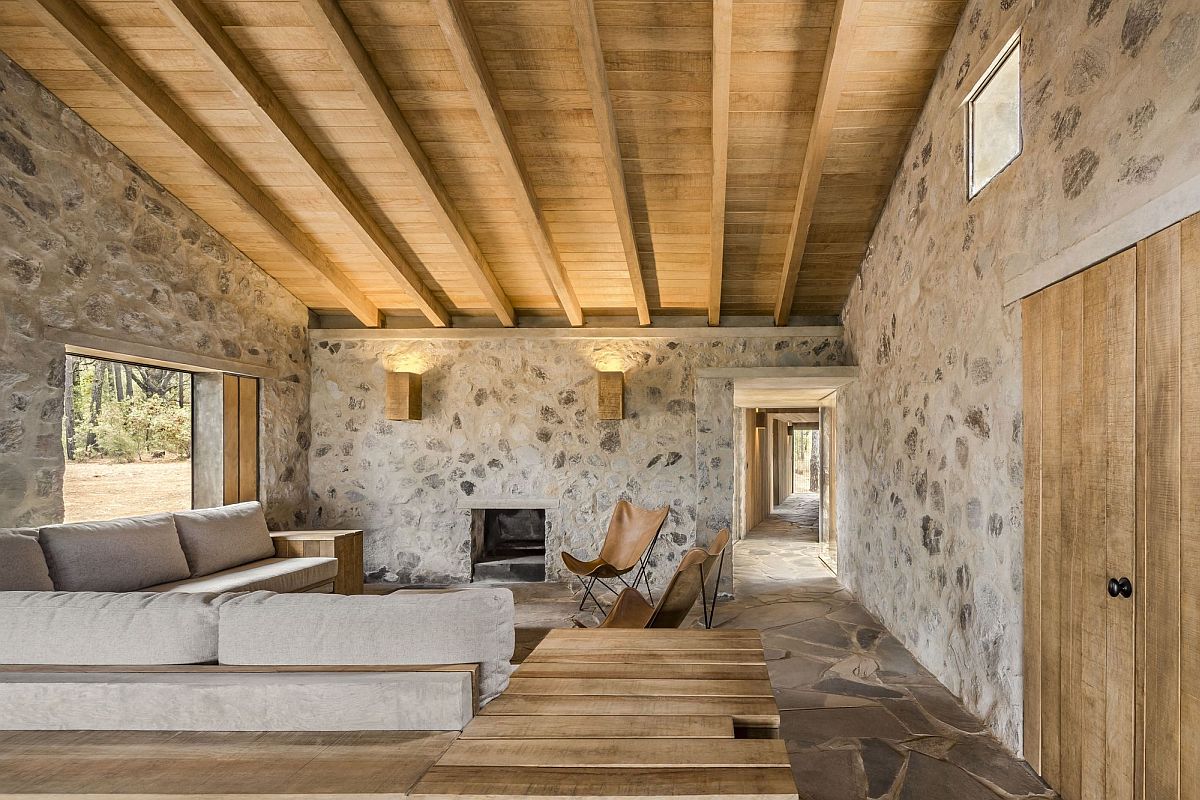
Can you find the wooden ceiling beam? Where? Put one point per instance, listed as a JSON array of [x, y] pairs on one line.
[[587, 33], [335, 27], [208, 37], [722, 66], [460, 38], [837, 63], [89, 41]]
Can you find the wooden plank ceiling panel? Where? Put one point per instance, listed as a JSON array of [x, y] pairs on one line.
[[464, 214], [895, 48], [778, 52], [554, 105], [658, 58]]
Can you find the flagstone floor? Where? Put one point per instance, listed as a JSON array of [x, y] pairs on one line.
[[862, 719]]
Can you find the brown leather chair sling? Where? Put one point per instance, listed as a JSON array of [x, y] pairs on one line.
[[632, 534], [631, 611]]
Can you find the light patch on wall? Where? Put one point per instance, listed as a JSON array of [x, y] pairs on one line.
[[417, 363]]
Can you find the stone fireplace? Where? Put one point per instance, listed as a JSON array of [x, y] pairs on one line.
[[508, 543]]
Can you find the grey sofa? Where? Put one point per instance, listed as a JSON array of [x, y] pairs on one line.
[[224, 549], [256, 661], [162, 623]]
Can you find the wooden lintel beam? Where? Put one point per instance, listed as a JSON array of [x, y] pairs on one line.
[[460, 38], [722, 65], [335, 27], [587, 33], [89, 41], [837, 62], [208, 37]]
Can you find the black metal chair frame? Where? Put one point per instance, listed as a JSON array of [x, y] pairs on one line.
[[642, 577], [710, 607]]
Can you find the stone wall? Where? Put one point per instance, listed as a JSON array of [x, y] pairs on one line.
[[90, 243], [516, 416], [930, 480]]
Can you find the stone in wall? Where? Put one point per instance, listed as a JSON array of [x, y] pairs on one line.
[[930, 479], [89, 242], [516, 416]]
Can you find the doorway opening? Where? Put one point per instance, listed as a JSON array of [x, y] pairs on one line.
[[787, 485]]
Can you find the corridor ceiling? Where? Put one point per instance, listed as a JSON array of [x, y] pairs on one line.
[[493, 159]]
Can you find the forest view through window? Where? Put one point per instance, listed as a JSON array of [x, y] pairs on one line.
[[127, 435]]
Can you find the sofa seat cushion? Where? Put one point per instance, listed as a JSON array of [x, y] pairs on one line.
[[101, 628], [216, 539], [269, 574], [119, 555], [402, 628], [22, 562]]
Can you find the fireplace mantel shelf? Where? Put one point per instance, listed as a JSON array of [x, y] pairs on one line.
[[507, 502]]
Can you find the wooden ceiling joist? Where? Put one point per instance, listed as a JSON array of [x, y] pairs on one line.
[[722, 68], [837, 63], [460, 38], [209, 38], [338, 33], [583, 15], [95, 47]]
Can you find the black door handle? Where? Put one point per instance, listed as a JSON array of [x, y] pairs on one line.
[[1120, 587]]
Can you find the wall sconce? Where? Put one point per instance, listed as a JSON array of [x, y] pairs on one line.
[[610, 401], [760, 419], [403, 396]]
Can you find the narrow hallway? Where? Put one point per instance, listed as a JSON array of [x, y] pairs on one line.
[[862, 719]]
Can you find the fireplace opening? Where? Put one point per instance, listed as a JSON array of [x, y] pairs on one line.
[[508, 544]]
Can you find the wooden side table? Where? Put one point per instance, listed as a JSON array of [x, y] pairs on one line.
[[345, 546]]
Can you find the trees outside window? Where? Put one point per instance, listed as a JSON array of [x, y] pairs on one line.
[[127, 436]]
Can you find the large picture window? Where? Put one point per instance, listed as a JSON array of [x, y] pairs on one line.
[[127, 435]]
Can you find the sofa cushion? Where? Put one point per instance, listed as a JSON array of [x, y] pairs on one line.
[[99, 628], [402, 628], [214, 539], [118, 555], [22, 562], [270, 574]]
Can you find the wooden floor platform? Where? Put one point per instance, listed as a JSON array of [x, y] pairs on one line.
[[612, 713], [590, 714]]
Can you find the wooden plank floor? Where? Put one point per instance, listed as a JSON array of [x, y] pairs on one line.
[[677, 714]]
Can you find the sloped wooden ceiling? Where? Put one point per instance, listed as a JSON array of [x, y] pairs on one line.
[[505, 158]]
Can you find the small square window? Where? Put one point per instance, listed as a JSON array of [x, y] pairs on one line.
[[994, 120]]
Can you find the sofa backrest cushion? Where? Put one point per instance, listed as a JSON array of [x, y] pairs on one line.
[[22, 562], [402, 628], [214, 539], [118, 555], [99, 628]]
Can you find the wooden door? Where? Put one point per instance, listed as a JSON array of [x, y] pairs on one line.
[[1112, 489], [1080, 530], [1168, 644]]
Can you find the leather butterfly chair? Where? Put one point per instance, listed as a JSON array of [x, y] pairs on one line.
[[632, 534], [633, 611], [711, 576]]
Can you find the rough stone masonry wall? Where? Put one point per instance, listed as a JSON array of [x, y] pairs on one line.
[[517, 417], [88, 242], [930, 491]]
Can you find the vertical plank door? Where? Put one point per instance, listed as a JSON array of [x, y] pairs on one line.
[[1079, 387]]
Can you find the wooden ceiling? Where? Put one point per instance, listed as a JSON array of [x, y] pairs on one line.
[[498, 158]]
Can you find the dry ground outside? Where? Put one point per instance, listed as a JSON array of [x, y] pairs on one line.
[[97, 490]]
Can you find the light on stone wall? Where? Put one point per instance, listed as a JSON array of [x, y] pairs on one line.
[[610, 401], [403, 396]]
